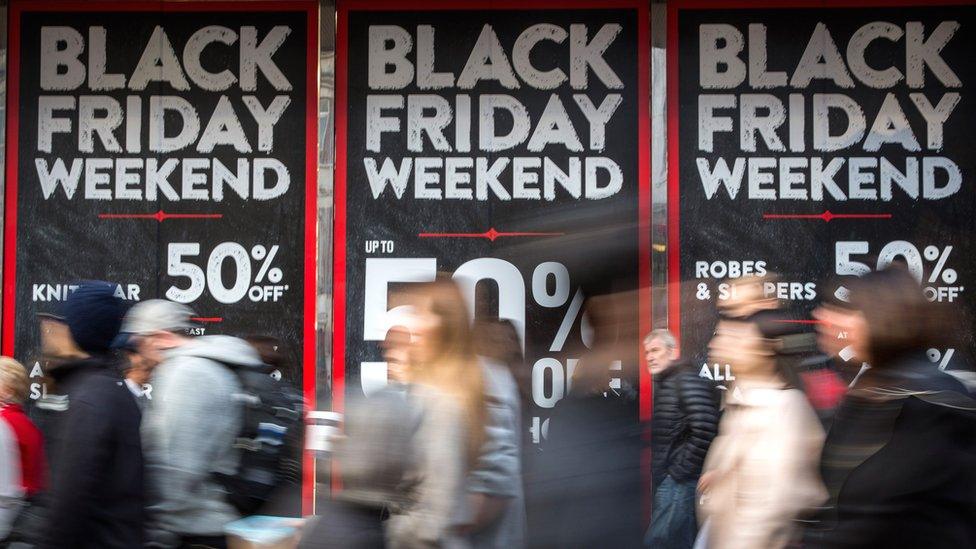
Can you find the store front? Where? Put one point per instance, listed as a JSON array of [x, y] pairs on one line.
[[290, 168]]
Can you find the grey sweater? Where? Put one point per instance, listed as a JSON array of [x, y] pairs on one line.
[[188, 434], [498, 472]]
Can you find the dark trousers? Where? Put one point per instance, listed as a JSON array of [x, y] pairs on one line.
[[345, 526], [673, 522], [203, 542]]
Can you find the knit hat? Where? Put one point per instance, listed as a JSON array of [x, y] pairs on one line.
[[94, 314]]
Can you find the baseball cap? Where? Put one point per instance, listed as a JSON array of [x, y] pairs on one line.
[[152, 316]]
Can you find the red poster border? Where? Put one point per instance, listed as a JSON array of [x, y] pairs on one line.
[[644, 170], [674, 6], [311, 9]]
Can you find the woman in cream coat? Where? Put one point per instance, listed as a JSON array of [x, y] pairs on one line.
[[761, 472]]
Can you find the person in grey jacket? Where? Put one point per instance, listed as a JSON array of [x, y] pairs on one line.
[[189, 428], [494, 516]]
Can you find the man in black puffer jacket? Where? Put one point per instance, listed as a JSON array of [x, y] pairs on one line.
[[684, 422]]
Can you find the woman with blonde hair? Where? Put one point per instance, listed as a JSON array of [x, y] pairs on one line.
[[446, 391], [443, 356], [22, 465], [407, 448]]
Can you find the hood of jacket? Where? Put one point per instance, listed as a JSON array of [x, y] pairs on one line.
[[221, 348]]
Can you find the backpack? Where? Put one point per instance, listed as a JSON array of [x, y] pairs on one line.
[[270, 440]]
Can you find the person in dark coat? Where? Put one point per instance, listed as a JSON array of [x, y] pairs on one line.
[[587, 488], [898, 460], [683, 424], [97, 498], [589, 476]]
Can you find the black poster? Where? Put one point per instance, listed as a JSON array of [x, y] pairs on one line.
[[478, 142], [818, 144], [168, 148]]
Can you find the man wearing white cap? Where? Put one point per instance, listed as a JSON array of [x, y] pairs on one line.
[[190, 426], [152, 315]]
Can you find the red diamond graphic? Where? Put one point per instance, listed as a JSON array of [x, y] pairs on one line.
[[827, 216], [492, 234], [160, 216]]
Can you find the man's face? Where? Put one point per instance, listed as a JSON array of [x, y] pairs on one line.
[[659, 357], [153, 345], [140, 368], [56, 340]]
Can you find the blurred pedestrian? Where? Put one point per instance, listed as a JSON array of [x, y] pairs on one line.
[[683, 424], [898, 461], [761, 470], [586, 490], [495, 512], [47, 411], [191, 424], [97, 497], [449, 404], [498, 341], [372, 457], [22, 463]]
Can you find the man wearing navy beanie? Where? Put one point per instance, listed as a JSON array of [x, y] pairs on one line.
[[94, 315], [97, 497]]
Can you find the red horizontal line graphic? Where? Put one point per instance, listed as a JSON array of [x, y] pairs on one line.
[[827, 216], [490, 234], [160, 216], [206, 319], [801, 321]]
